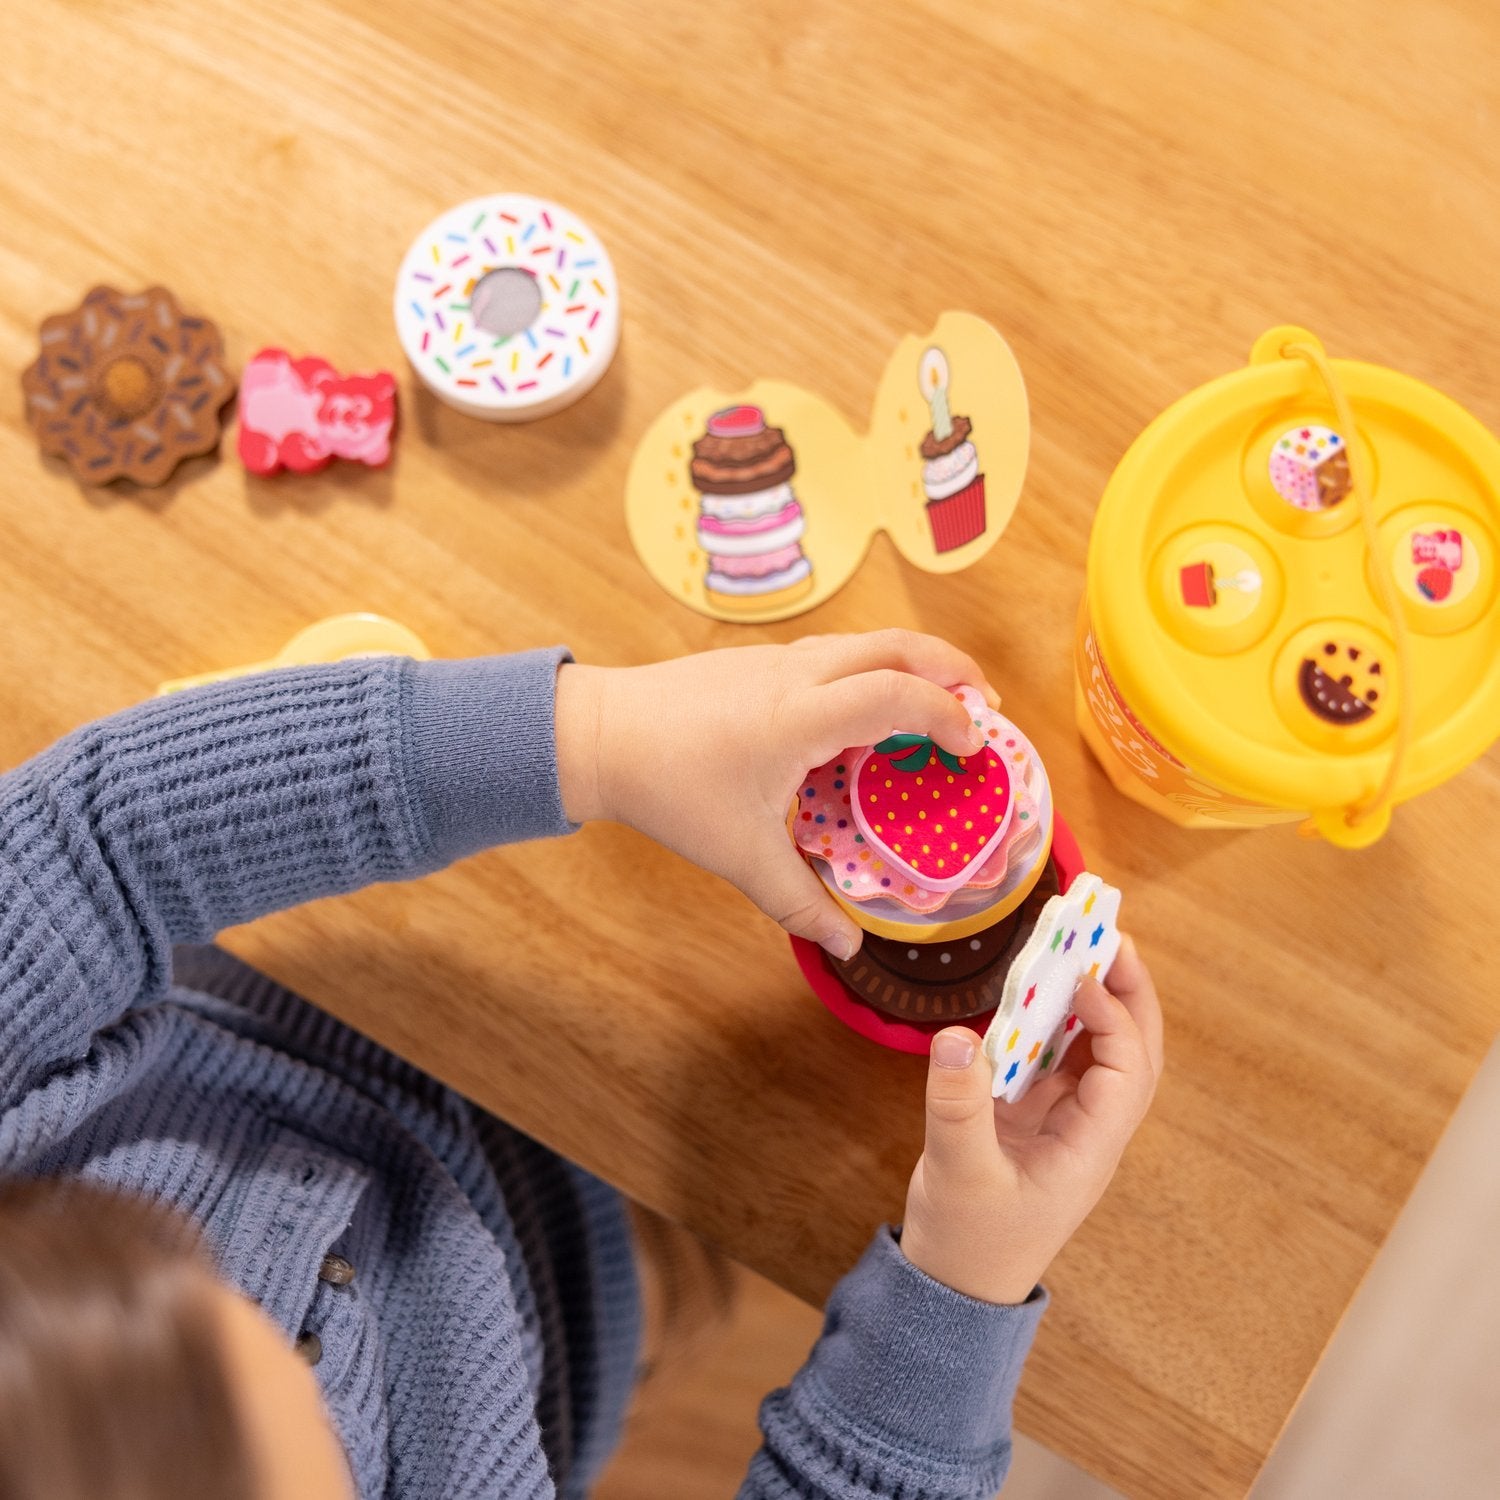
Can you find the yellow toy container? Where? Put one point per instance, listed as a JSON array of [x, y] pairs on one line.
[[1291, 610]]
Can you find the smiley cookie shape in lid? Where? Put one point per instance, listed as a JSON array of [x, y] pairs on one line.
[[1291, 609]]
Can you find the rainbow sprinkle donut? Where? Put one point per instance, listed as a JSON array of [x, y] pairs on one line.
[[508, 307]]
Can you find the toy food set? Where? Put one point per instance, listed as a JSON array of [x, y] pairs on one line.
[[508, 307], [755, 505], [951, 864], [1291, 610], [301, 414], [126, 387], [338, 638]]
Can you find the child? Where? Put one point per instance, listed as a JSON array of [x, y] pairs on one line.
[[467, 1301]]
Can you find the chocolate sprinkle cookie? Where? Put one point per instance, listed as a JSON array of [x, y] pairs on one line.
[[126, 387]]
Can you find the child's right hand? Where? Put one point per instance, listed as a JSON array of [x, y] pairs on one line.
[[706, 753], [1000, 1188]]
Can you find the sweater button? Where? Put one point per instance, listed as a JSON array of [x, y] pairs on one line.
[[336, 1271], [310, 1347]]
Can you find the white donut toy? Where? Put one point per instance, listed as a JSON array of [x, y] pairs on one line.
[[508, 307]]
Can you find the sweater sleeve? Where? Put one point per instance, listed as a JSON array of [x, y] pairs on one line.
[[188, 814], [906, 1395]]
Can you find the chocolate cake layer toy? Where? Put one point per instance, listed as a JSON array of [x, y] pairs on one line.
[[952, 865], [1292, 612], [127, 386], [508, 307], [758, 504]]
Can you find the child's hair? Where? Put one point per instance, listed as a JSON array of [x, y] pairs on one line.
[[112, 1376]]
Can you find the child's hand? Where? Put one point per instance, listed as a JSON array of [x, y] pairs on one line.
[[707, 753], [1000, 1188]]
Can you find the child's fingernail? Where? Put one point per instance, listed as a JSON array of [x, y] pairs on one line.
[[953, 1049], [840, 945], [975, 738]]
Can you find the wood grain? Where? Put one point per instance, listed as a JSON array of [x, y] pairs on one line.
[[1132, 193]]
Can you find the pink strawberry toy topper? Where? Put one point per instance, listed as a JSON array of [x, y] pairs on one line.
[[936, 817], [301, 414]]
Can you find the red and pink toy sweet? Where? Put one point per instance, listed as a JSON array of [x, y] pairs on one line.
[[301, 414], [952, 864]]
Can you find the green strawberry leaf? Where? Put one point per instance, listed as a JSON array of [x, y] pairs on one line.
[[912, 752], [900, 742]]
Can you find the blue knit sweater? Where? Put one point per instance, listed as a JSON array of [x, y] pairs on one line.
[[486, 1346]]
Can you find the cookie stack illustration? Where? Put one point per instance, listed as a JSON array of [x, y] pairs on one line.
[[950, 469], [750, 524]]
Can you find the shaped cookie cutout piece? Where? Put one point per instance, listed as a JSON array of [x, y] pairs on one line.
[[126, 387], [1310, 467], [1076, 935], [1341, 683], [301, 414]]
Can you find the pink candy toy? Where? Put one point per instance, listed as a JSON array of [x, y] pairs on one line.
[[301, 414]]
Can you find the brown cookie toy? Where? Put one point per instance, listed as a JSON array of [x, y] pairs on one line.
[[126, 387]]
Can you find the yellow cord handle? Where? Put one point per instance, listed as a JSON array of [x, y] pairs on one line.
[[1385, 584]]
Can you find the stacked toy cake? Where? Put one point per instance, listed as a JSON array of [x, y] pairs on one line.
[[946, 862]]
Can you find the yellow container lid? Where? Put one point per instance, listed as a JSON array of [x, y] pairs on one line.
[[1234, 600]]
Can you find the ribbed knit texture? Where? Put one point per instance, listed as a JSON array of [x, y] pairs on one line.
[[487, 1344], [907, 1395]]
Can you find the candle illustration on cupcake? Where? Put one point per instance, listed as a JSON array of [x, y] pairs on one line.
[[950, 463], [750, 524]]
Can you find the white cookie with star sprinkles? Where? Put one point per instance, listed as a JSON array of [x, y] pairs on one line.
[[1077, 934]]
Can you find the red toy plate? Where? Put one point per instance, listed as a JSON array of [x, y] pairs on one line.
[[911, 1036]]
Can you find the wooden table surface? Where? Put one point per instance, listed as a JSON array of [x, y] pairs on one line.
[[1132, 193]]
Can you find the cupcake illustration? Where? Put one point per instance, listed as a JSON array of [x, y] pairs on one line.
[[750, 524], [950, 463]]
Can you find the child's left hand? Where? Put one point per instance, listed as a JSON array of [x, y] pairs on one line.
[[1001, 1187], [706, 753]]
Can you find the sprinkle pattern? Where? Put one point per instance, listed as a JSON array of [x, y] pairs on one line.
[[567, 344], [1076, 935]]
